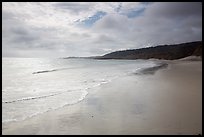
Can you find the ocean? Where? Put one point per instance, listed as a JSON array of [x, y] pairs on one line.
[[32, 86]]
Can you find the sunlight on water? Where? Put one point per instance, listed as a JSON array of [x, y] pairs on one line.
[[32, 86]]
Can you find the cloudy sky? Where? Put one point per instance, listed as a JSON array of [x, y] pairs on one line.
[[40, 29]]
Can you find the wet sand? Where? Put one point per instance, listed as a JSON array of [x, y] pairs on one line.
[[166, 102]]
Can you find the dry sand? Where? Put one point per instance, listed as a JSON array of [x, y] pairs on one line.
[[168, 102]]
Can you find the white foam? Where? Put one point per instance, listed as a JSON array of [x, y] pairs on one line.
[[22, 113], [29, 98]]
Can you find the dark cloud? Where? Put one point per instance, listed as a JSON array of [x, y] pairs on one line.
[[7, 16], [175, 9], [20, 35], [19, 31], [104, 39]]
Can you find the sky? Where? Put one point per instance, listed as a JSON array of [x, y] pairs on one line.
[[62, 29]]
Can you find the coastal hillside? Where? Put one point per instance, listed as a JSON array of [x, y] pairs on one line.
[[168, 52]]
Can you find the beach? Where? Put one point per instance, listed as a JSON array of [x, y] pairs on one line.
[[168, 101]]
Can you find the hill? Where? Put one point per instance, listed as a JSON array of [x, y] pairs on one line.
[[168, 52]]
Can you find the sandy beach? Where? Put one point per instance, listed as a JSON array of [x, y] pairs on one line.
[[167, 102]]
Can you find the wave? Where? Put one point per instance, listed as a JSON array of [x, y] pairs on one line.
[[82, 97], [39, 97], [30, 98], [152, 70], [9, 120], [97, 83], [45, 71]]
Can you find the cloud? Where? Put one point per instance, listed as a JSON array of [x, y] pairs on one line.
[[41, 29], [133, 9], [88, 22], [74, 8], [112, 22], [162, 26]]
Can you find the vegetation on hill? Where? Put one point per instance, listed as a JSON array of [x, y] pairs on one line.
[[168, 52]]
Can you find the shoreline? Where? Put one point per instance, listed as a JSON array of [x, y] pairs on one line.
[[168, 102]]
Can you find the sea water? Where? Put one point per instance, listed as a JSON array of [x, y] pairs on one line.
[[32, 86]]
